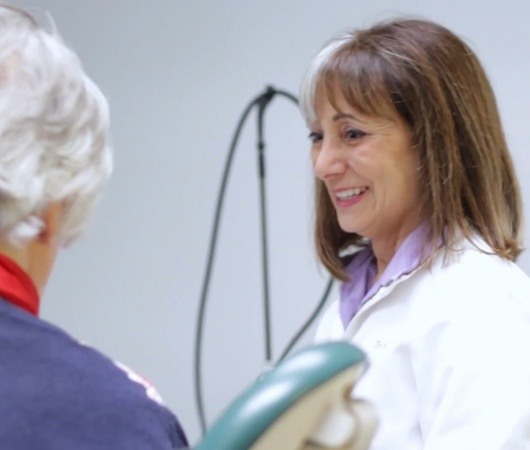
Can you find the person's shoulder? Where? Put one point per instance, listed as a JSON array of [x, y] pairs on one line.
[[128, 400], [474, 278], [68, 383], [474, 265]]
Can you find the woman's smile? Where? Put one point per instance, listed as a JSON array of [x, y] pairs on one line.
[[348, 197]]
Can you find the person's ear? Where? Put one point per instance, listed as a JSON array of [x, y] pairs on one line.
[[51, 218]]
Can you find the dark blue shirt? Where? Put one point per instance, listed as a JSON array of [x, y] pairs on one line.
[[58, 394]]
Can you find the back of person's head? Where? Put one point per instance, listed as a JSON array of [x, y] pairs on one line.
[[423, 74], [53, 131]]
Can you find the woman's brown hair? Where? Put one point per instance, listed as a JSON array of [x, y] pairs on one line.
[[428, 77]]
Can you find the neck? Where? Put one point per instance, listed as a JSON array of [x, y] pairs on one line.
[[385, 249], [33, 258], [37, 255], [18, 254]]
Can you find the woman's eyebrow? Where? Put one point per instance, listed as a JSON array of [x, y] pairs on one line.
[[339, 116]]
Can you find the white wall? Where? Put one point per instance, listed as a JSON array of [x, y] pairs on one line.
[[178, 74]]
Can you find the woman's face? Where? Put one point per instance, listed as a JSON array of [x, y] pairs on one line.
[[369, 169]]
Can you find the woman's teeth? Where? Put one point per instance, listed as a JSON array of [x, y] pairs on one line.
[[349, 193]]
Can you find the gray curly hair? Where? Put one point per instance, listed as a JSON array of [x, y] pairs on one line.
[[54, 126]]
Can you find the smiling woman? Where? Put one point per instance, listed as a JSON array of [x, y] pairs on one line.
[[418, 213], [370, 172]]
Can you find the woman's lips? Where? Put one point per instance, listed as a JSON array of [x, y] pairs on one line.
[[350, 196]]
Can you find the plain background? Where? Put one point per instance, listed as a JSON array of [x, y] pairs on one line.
[[178, 74]]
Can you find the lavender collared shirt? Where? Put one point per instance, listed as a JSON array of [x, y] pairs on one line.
[[362, 271]]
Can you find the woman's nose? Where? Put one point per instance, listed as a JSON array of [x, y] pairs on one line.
[[328, 161]]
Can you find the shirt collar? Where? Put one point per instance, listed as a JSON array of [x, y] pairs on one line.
[[16, 287], [362, 271]]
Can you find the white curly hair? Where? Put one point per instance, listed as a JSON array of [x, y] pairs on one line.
[[54, 127]]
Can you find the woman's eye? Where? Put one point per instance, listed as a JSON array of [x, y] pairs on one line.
[[315, 137], [354, 134]]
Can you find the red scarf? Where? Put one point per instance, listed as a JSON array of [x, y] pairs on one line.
[[17, 287]]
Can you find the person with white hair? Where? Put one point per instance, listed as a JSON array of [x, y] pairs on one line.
[[56, 393]]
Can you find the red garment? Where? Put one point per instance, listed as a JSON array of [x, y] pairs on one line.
[[17, 287]]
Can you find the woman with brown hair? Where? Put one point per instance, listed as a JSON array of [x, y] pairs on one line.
[[418, 213]]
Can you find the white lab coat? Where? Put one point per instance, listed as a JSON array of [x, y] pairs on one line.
[[449, 351]]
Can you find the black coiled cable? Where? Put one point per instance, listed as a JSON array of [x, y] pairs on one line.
[[261, 102]]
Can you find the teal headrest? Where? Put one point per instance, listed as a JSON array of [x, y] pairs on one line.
[[253, 412]]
